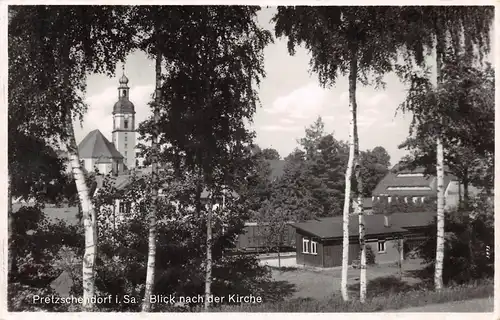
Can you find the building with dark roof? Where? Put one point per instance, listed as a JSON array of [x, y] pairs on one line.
[[96, 151], [416, 186], [319, 241]]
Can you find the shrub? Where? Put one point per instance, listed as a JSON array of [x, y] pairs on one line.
[[370, 256], [467, 235]]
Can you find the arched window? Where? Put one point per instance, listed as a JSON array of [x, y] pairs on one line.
[[125, 124], [124, 93]]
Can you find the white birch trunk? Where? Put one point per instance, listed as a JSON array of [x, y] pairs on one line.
[[10, 212], [151, 264], [438, 275], [89, 219], [347, 198], [359, 206], [208, 266]]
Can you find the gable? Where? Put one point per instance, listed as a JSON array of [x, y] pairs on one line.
[[95, 145]]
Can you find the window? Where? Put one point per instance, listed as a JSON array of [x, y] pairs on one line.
[[305, 245], [410, 175], [124, 207], [314, 249], [422, 188], [389, 199], [124, 92], [125, 124], [381, 246], [126, 146], [125, 137], [125, 154]]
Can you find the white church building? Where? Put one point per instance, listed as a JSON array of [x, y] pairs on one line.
[[119, 156]]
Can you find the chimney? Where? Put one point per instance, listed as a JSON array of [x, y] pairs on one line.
[[387, 223]]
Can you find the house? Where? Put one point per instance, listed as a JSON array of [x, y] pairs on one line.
[[368, 206], [123, 209], [416, 186], [319, 241]]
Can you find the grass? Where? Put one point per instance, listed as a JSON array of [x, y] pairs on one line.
[[390, 300]]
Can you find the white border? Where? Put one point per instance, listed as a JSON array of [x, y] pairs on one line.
[[3, 173]]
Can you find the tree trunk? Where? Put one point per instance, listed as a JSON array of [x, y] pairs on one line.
[[460, 192], [348, 176], [466, 192], [359, 207], [88, 216], [151, 265], [438, 274], [279, 247], [12, 258], [208, 274], [401, 257]]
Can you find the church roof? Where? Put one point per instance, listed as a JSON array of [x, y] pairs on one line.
[[95, 145], [123, 105]]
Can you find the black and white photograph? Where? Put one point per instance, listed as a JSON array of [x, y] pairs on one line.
[[243, 158]]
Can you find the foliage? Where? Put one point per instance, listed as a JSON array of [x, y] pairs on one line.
[[257, 186], [201, 87], [270, 154], [467, 235], [467, 107], [35, 169], [37, 244], [370, 256], [374, 167], [181, 243], [334, 34], [73, 40]]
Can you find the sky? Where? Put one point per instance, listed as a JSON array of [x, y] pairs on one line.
[[291, 100]]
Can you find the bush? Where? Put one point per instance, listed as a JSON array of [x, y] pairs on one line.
[[370, 256], [466, 239], [36, 245]]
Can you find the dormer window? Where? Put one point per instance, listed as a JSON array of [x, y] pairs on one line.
[[407, 175], [422, 188]]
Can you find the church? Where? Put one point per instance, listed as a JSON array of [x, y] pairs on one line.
[[119, 156]]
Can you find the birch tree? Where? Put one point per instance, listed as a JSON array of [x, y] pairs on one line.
[[51, 51], [462, 29], [352, 41], [211, 92]]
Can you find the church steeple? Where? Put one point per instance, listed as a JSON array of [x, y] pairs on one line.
[[124, 123], [123, 89]]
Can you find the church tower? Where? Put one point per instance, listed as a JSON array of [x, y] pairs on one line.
[[124, 124]]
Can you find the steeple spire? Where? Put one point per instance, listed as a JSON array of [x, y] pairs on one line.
[[123, 80]]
